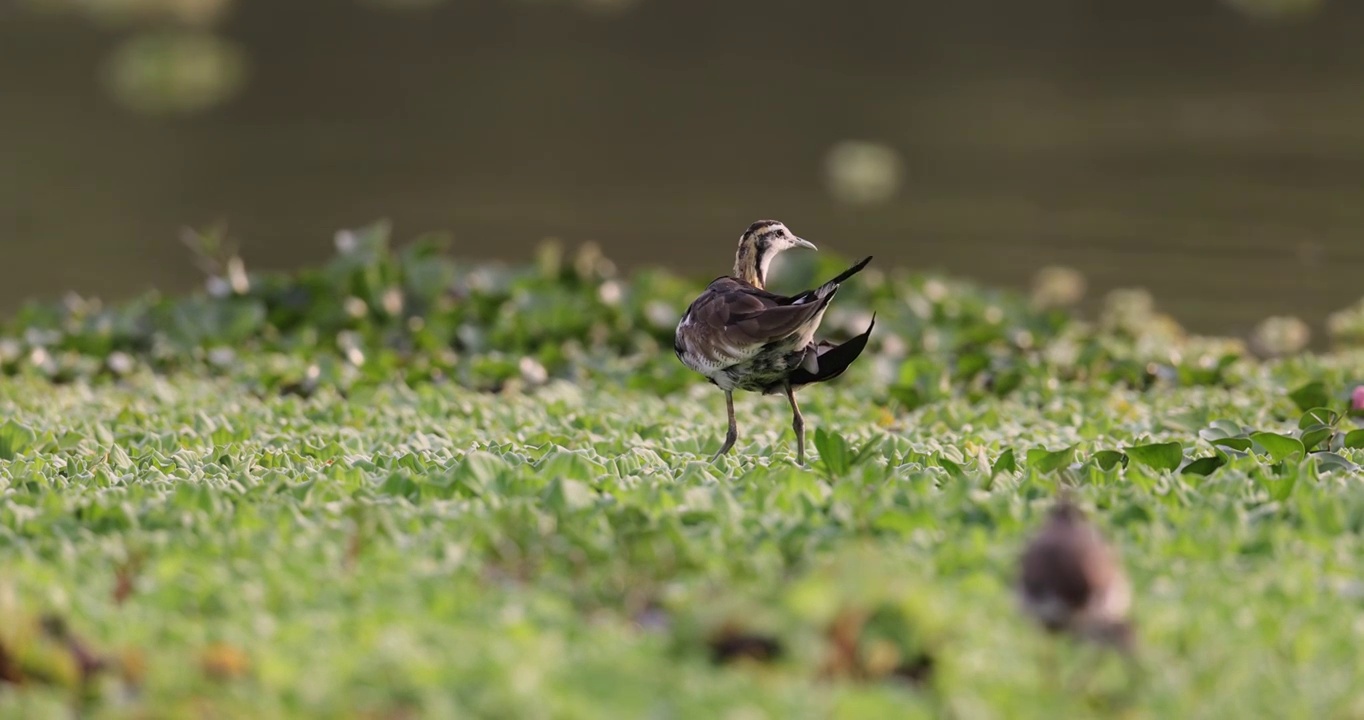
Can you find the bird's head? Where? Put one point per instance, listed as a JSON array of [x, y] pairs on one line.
[[760, 243]]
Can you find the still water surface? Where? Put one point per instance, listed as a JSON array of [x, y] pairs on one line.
[[1168, 144]]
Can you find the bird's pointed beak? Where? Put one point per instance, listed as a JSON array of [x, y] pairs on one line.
[[802, 242]]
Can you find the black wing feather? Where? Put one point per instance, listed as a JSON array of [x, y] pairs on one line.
[[833, 359]]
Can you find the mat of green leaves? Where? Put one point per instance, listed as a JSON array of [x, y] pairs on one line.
[[398, 486]]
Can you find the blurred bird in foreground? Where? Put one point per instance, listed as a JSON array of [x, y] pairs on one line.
[[1071, 581], [742, 337]]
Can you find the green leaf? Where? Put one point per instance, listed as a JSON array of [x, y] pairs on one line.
[[1044, 460], [1220, 429], [477, 472], [1161, 456], [193, 497], [400, 484], [15, 439], [564, 494], [866, 452], [1314, 435], [1281, 489], [1241, 445], [1204, 466], [1006, 382], [1354, 439], [952, 468], [119, 458], [1108, 459], [1318, 416], [1329, 462], [834, 453], [240, 321], [1279, 447], [898, 521], [569, 464], [969, 365], [1004, 463], [1311, 395]]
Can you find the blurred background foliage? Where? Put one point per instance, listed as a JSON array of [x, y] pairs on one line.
[[1207, 149]]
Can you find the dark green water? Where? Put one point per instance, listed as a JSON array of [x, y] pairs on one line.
[[1171, 144]]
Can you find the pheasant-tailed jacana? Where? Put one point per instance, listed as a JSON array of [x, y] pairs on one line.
[[742, 337]]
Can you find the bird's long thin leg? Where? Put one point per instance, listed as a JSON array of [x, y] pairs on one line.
[[797, 424], [1134, 675], [1051, 665], [733, 434], [1082, 679]]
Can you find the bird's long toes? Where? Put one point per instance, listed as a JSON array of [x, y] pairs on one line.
[[724, 449]]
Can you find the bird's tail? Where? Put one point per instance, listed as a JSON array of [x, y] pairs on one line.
[[825, 292], [831, 360], [843, 276]]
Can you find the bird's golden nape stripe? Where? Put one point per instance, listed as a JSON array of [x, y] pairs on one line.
[[753, 257], [748, 263]]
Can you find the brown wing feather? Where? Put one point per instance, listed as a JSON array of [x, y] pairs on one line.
[[746, 316]]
